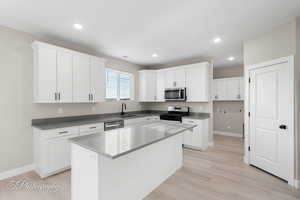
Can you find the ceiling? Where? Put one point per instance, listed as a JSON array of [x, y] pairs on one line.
[[174, 30]]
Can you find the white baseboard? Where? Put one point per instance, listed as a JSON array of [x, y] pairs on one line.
[[228, 134], [16, 171]]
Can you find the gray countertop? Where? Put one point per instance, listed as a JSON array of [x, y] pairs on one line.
[[118, 142], [63, 122]]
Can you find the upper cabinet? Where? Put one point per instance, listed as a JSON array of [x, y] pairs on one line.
[[66, 76], [147, 89], [175, 78], [228, 89], [195, 77], [197, 82]]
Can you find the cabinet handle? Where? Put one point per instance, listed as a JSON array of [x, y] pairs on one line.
[[89, 97], [238, 96], [55, 96], [93, 127], [92, 95], [216, 97], [63, 132], [59, 96]]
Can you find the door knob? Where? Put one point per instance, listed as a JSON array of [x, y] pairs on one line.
[[282, 126]]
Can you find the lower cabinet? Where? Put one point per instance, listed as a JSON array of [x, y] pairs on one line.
[[52, 148], [197, 138]]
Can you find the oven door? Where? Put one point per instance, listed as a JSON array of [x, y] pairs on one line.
[[175, 94]]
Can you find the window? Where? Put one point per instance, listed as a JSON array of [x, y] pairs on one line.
[[119, 85]]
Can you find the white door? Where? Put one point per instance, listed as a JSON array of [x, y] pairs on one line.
[[148, 86], [271, 119], [81, 78], [97, 79], [160, 86], [233, 89], [46, 83], [64, 76]]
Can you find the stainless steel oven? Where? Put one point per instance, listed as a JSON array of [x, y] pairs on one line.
[[175, 94]]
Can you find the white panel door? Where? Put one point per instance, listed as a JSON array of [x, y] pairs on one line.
[[271, 116], [233, 89], [97, 79], [179, 78], [197, 83], [64, 76], [46, 83], [160, 85], [81, 78]]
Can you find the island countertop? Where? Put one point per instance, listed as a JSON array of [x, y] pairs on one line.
[[118, 142]]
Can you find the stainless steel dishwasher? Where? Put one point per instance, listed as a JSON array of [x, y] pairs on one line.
[[113, 125]]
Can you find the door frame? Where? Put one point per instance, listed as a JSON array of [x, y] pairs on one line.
[[290, 60]]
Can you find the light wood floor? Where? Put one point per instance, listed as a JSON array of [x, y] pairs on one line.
[[218, 173]]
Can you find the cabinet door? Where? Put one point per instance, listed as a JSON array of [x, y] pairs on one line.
[[179, 78], [170, 79], [187, 137], [81, 78], [160, 87], [148, 86], [233, 89], [97, 79], [45, 75], [197, 83], [64, 76], [242, 89], [221, 90], [58, 154]]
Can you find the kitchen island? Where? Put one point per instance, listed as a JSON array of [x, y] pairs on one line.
[[126, 163]]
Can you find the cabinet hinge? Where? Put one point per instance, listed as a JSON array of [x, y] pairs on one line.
[[249, 149], [248, 114]]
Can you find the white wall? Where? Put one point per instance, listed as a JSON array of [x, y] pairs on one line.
[[16, 107], [278, 42]]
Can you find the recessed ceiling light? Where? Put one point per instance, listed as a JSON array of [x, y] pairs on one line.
[[217, 40], [231, 58], [78, 26], [125, 57], [154, 55]]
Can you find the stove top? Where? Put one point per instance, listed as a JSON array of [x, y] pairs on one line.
[[175, 113]]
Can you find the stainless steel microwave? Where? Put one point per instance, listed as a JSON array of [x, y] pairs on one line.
[[175, 94]]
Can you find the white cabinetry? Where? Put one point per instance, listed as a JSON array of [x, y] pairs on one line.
[[52, 74], [91, 128], [88, 78], [66, 76], [228, 89], [52, 150], [197, 138], [175, 78], [197, 82], [147, 90], [160, 85]]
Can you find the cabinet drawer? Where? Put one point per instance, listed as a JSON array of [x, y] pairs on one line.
[[91, 127], [191, 121], [53, 133]]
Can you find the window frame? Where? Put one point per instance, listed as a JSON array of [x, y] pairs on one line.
[[132, 84]]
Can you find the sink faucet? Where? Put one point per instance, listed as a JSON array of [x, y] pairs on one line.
[[123, 108]]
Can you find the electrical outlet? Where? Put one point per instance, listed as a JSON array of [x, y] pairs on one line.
[[93, 109], [228, 127]]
